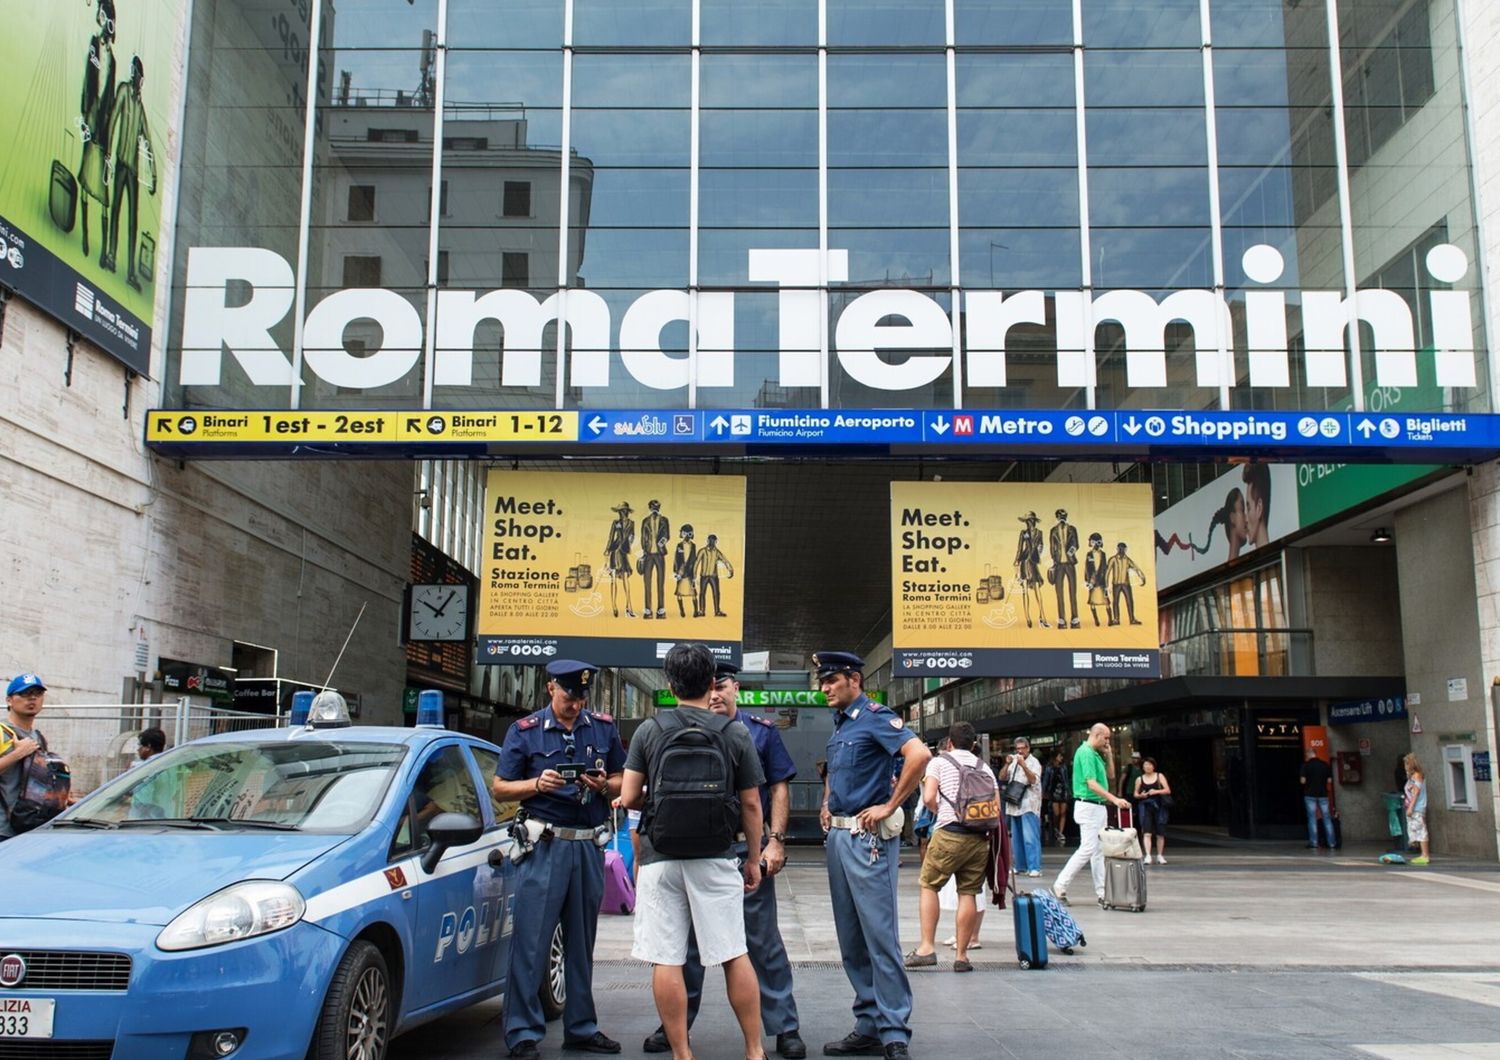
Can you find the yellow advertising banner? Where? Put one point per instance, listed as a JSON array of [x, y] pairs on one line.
[[1023, 579], [611, 569]]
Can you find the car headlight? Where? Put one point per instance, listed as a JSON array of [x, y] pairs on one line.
[[255, 907]]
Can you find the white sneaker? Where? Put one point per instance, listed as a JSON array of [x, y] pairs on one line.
[[1033, 873], [1160, 860], [950, 941]]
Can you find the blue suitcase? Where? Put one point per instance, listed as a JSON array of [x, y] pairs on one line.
[[1031, 931]]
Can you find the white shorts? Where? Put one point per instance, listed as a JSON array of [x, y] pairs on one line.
[[704, 894]]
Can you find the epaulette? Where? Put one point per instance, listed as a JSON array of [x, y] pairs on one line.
[[761, 721], [603, 717], [529, 723]]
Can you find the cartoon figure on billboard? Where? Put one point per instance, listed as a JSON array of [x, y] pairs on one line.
[[685, 571], [1119, 570], [1093, 579], [656, 533], [95, 110], [710, 559], [1029, 546], [617, 557], [1063, 542], [129, 148]]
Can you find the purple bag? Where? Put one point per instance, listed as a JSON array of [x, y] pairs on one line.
[[619, 891]]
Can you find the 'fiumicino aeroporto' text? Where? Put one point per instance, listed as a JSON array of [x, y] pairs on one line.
[[867, 346]]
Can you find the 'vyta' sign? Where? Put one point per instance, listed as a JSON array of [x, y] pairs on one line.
[[214, 323]]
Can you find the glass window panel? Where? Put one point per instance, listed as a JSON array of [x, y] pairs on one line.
[[888, 138], [1141, 24], [1029, 22], [1261, 77], [632, 22], [1146, 196], [911, 256], [364, 338], [770, 198], [766, 22], [751, 138], [487, 350], [623, 390], [1026, 198], [724, 253], [898, 197], [1030, 368], [657, 138], [634, 257], [504, 24], [613, 80], [887, 80], [744, 81], [1159, 137], [757, 360], [845, 391], [383, 24], [1020, 258], [886, 22], [988, 78], [1256, 197], [635, 198], [1237, 240], [503, 80], [1151, 257], [1143, 78], [477, 254], [1017, 138]]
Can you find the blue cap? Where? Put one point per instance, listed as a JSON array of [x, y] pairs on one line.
[[724, 669], [23, 683], [572, 676], [828, 663]]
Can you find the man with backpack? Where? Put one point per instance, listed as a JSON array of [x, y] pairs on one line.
[[19, 743], [778, 1008], [703, 778], [962, 791]]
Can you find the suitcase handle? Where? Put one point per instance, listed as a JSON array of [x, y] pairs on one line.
[[1122, 817]]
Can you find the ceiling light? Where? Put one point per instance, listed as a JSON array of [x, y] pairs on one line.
[[1380, 536]]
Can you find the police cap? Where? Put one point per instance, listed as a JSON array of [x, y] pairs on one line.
[[573, 677], [724, 670], [829, 663]]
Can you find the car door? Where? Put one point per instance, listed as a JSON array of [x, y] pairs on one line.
[[450, 955], [497, 885]]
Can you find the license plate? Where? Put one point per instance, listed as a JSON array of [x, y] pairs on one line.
[[26, 1017]]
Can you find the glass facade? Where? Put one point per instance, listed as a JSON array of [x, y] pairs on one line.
[[826, 203]]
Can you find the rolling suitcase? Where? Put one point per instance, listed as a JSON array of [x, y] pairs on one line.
[[1062, 930], [1125, 879], [619, 892], [1031, 931], [62, 198]]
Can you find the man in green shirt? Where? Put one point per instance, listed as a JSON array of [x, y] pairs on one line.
[[1090, 793]]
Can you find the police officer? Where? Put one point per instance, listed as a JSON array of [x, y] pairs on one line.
[[778, 1009], [859, 816], [562, 879]]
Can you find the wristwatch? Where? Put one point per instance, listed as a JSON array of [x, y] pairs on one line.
[[780, 837]]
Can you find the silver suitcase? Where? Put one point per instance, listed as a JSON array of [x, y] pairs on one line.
[[1125, 880]]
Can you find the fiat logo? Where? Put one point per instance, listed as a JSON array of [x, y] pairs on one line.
[[12, 970]]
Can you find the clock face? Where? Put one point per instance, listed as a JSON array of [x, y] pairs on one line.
[[439, 612]]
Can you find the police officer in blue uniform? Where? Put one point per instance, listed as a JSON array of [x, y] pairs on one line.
[[562, 878], [861, 797], [778, 1009]]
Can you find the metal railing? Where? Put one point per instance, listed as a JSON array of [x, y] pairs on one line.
[[98, 740]]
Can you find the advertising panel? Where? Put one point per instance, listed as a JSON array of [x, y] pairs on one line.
[[85, 161], [612, 569], [1034, 580], [1243, 509]]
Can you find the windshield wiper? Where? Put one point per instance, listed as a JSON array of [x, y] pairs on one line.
[[201, 824], [247, 822], [83, 822]]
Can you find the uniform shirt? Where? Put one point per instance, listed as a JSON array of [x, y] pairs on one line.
[[775, 762], [865, 738], [537, 743], [1088, 765], [742, 755]]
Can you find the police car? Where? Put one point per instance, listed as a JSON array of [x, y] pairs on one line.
[[302, 892]]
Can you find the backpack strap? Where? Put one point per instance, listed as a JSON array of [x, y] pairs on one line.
[[956, 764]]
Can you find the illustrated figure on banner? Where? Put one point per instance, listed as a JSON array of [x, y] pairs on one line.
[[685, 571], [617, 557], [1063, 543], [96, 107], [1094, 579], [656, 534], [1029, 545], [710, 559], [1119, 570]]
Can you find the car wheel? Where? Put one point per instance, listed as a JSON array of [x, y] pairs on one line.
[[355, 1023], [554, 992]]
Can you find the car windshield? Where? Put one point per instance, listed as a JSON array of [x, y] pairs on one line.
[[311, 785]]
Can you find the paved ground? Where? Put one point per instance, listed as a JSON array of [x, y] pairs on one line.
[[1261, 951]]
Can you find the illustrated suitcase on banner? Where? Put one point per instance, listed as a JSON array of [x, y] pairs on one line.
[[997, 587], [146, 262], [585, 575], [62, 196], [982, 590]]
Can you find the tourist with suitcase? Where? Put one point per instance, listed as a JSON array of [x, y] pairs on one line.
[[1091, 794]]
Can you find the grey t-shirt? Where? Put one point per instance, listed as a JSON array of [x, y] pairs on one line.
[[10, 781], [747, 769]]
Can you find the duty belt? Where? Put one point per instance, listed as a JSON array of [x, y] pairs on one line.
[[851, 823], [557, 831]]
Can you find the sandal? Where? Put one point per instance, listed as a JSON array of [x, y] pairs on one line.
[[963, 966], [920, 960]]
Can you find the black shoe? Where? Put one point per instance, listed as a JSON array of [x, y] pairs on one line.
[[855, 1044], [594, 1043], [656, 1042], [525, 1050], [791, 1046], [895, 1050]]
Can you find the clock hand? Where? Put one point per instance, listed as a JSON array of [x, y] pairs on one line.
[[446, 602], [429, 607]]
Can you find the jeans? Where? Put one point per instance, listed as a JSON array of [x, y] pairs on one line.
[[1091, 819], [1025, 841], [1313, 804]]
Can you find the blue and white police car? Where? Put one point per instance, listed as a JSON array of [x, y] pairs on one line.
[[285, 893]]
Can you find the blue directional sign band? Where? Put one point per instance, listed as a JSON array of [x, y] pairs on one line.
[[1060, 433]]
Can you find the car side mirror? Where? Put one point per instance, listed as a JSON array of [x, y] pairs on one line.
[[448, 830]]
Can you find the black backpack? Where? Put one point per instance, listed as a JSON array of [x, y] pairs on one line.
[[692, 809], [45, 786]]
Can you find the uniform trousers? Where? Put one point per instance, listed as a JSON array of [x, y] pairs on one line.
[[864, 913]]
